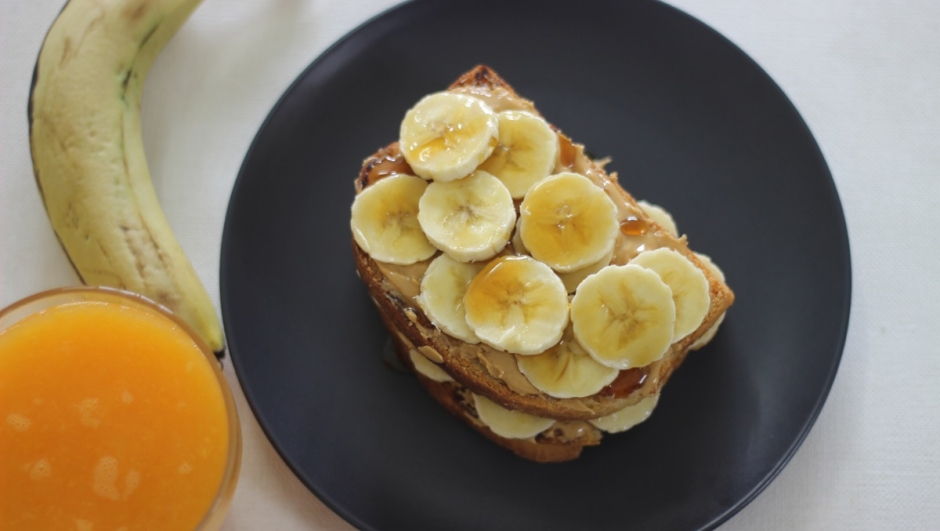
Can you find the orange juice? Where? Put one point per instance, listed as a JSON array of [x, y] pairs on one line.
[[111, 419]]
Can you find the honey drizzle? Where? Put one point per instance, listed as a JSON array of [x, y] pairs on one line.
[[627, 381], [633, 226], [391, 163]]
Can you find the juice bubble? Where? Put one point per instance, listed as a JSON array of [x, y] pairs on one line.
[[105, 476], [40, 470], [127, 397], [90, 413], [18, 422], [131, 482]]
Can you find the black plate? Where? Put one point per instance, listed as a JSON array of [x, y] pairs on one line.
[[691, 123]]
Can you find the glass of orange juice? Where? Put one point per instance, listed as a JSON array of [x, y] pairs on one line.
[[114, 416]]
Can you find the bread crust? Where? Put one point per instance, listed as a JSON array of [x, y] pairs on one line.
[[408, 325]]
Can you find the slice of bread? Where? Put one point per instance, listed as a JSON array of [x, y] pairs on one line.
[[491, 373]]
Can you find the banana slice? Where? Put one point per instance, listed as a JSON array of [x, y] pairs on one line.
[[525, 154], [660, 216], [508, 423], [385, 220], [687, 282], [624, 316], [442, 289], [710, 333], [573, 279], [568, 222], [445, 136], [469, 219], [517, 304], [627, 417], [428, 368], [566, 370]]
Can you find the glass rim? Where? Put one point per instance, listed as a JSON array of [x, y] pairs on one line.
[[222, 498]]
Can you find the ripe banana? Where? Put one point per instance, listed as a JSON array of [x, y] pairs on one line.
[[660, 216], [525, 154], [508, 423], [688, 285], [568, 222], [384, 220], [88, 154], [624, 316], [469, 219], [566, 370], [517, 304], [445, 136], [442, 290], [710, 333], [627, 417]]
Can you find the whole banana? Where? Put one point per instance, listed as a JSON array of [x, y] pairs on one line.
[[88, 153]]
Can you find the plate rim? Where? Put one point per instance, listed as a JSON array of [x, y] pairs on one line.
[[843, 239]]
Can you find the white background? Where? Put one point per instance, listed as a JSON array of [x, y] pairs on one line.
[[865, 74]]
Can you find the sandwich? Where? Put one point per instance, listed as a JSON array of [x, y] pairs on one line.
[[532, 295]]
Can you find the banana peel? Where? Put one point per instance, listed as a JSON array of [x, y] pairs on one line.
[[88, 153]]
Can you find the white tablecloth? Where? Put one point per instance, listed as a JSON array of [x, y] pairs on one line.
[[864, 74]]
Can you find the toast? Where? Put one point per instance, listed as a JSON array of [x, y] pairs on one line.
[[493, 373]]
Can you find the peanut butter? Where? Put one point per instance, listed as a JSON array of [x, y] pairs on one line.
[[502, 366], [405, 278]]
